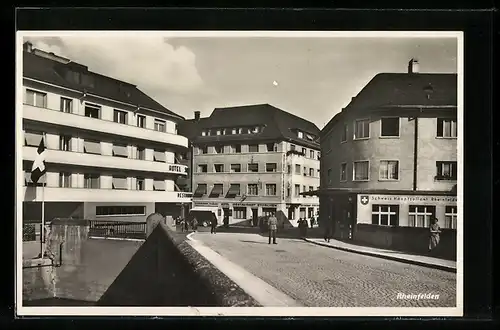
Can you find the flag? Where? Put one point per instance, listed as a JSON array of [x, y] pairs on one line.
[[38, 169], [243, 198]]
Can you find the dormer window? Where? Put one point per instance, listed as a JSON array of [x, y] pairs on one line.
[[300, 135], [234, 131], [310, 137], [219, 132], [255, 130], [203, 133]]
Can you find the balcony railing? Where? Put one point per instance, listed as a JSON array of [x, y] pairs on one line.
[[118, 229]]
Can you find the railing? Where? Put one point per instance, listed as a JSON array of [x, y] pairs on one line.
[[117, 229]]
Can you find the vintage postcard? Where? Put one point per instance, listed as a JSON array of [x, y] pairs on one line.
[[239, 173]]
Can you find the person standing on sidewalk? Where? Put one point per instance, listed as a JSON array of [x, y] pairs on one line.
[[213, 225], [434, 238], [273, 227], [328, 232], [195, 224]]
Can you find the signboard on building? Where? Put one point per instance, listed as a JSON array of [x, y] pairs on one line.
[[365, 200]]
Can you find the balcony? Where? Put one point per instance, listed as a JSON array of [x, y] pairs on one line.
[[55, 117], [83, 159], [55, 194]]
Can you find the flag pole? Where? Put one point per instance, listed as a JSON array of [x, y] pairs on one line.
[[42, 229]]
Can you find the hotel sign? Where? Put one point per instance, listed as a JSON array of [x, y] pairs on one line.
[[403, 198]]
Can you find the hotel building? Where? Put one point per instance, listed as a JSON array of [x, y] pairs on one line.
[[389, 161], [254, 161], [111, 149]]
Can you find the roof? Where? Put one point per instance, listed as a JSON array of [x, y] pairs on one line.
[[53, 72], [403, 89], [278, 125]]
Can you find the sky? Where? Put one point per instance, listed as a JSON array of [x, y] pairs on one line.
[[313, 78]]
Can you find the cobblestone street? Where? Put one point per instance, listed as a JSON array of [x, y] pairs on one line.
[[317, 276]]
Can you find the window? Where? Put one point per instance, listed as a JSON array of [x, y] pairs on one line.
[[329, 175], [446, 170], [385, 215], [218, 168], [66, 105], [304, 151], [92, 147], [36, 99], [120, 210], [450, 217], [271, 167], [318, 173], [203, 150], [343, 137], [361, 171], [159, 156], [120, 150], [303, 188], [160, 125], [65, 142], [447, 128], [343, 172], [217, 190], [235, 149], [218, 132], [297, 190], [302, 212], [159, 185], [235, 168], [319, 155], [204, 133], [310, 137], [253, 168], [271, 147], [271, 189], [389, 127], [253, 148], [92, 111], [297, 169], [120, 116], [141, 153], [219, 149], [311, 172], [32, 138], [253, 189], [289, 169], [389, 170], [141, 121], [234, 190], [311, 154], [311, 188], [305, 171], [91, 181], [140, 184], [203, 168], [361, 129], [201, 190], [268, 211], [288, 192], [292, 147], [420, 216], [65, 180], [240, 212], [120, 183], [300, 135]]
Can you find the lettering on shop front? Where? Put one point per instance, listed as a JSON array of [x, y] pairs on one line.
[[413, 199], [174, 168]]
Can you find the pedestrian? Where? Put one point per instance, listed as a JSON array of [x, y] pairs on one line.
[[300, 225], [273, 227], [434, 231], [186, 224], [328, 232], [312, 222], [213, 224], [182, 224], [195, 224]]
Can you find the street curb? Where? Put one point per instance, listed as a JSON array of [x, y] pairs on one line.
[[407, 261]]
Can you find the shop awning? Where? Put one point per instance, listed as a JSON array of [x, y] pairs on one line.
[[201, 190], [120, 183], [159, 156], [216, 191], [159, 185], [120, 151], [92, 147], [234, 190], [32, 139]]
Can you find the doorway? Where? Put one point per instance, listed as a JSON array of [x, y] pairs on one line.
[[255, 217]]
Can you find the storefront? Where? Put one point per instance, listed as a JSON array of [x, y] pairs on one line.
[[246, 213]]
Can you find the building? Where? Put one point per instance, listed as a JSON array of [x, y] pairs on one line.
[[111, 149], [389, 160], [253, 161]]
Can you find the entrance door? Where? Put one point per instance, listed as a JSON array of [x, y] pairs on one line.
[[255, 217], [226, 216]]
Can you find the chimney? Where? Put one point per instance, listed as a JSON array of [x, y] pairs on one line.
[[28, 46], [413, 66], [196, 115]]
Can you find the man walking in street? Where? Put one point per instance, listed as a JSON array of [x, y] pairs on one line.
[[273, 227], [213, 225]]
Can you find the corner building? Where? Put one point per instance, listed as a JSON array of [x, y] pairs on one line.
[[389, 161], [111, 149], [253, 161]]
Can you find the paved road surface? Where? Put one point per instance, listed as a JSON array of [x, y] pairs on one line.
[[317, 276]]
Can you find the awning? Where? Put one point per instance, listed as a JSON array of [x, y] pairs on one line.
[[234, 190], [159, 156], [200, 190], [92, 147], [32, 139], [216, 191], [120, 183], [203, 209], [159, 185], [120, 151]]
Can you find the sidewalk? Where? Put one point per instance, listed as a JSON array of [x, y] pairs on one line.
[[446, 265]]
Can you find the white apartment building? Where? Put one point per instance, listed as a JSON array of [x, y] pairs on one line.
[[253, 161], [111, 149]]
